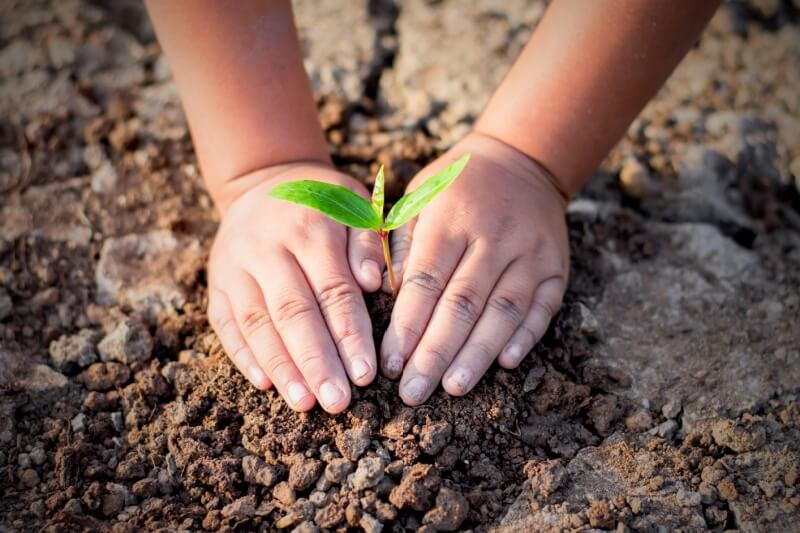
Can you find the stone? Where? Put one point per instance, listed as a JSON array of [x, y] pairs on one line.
[[79, 423], [38, 456], [368, 474], [635, 179], [353, 442], [304, 473], [665, 430], [104, 376], [149, 272], [329, 516], [29, 477], [434, 437], [671, 409], [19, 372], [370, 524], [450, 511], [639, 421], [104, 178], [255, 470], [129, 342], [737, 437], [545, 477], [240, 509], [337, 470], [284, 493], [417, 488], [69, 352], [588, 325]]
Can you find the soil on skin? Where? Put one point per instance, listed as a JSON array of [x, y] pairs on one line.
[[663, 395]]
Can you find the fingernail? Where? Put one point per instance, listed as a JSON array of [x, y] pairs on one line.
[[393, 365], [461, 378], [416, 389], [370, 270], [330, 394], [296, 392], [360, 369], [257, 377], [514, 353]]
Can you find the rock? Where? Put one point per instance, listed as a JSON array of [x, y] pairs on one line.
[[104, 178], [352, 443], [29, 477], [149, 272], [145, 488], [74, 351], [284, 493], [665, 430], [112, 504], [738, 438], [687, 498], [304, 473], [726, 489], [133, 467], [24, 460], [306, 527], [118, 421], [450, 511], [329, 516], [417, 488], [129, 342], [671, 409], [19, 372], [434, 437], [38, 456], [639, 421], [104, 376], [368, 474], [708, 493], [240, 509], [545, 476], [79, 423], [6, 305], [255, 470], [370, 524], [338, 469], [635, 179], [588, 325]]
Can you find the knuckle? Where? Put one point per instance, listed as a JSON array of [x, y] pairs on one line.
[[545, 308], [310, 364], [337, 293], [278, 366], [510, 305], [437, 356], [344, 333], [465, 303], [425, 280], [254, 320], [410, 331], [483, 350], [291, 308]]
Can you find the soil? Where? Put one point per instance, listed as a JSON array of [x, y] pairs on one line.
[[664, 394]]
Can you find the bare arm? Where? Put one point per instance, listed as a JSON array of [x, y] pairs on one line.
[[239, 70], [585, 74]]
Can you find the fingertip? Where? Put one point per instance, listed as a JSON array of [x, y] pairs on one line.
[[457, 382], [334, 398], [369, 276], [361, 372], [258, 379]]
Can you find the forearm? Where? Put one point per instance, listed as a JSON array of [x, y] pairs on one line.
[[587, 71], [239, 70]]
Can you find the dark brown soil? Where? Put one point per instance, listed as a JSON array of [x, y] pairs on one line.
[[122, 413]]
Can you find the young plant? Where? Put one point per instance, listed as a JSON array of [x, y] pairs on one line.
[[348, 208]]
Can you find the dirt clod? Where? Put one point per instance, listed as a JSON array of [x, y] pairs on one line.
[[450, 511]]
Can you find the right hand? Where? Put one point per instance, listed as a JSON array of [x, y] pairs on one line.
[[285, 291]]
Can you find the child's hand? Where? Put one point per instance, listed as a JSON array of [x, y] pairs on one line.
[[282, 294], [483, 275]]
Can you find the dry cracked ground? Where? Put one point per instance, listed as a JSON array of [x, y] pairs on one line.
[[664, 396]]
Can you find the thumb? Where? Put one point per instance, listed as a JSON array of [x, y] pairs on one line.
[[401, 245], [365, 255]]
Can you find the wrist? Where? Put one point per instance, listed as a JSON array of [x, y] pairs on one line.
[[515, 159], [226, 193]]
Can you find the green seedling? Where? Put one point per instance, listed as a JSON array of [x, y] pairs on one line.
[[348, 208]]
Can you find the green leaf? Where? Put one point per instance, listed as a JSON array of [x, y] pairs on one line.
[[377, 193], [412, 203], [339, 203]]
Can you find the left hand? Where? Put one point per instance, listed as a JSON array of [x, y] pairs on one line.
[[482, 272]]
